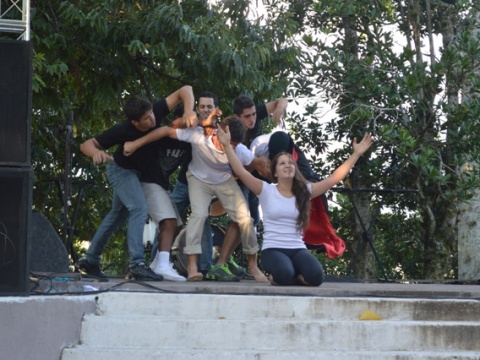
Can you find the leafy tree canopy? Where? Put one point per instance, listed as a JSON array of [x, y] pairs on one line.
[[406, 70], [89, 56], [409, 73]]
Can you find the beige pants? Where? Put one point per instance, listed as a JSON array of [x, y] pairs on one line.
[[232, 200]]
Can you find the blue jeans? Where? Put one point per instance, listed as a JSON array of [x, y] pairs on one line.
[[181, 200], [128, 204]]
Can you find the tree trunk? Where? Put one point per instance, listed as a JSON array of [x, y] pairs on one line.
[[363, 261], [439, 238], [438, 214], [362, 265]]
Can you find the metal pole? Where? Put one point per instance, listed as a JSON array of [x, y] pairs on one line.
[[15, 18]]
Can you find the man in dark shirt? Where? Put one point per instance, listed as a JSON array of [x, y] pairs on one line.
[[252, 116], [123, 175], [164, 159]]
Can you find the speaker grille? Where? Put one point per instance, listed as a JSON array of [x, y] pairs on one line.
[[15, 102], [15, 213]]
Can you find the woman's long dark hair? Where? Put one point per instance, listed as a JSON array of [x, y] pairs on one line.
[[299, 190]]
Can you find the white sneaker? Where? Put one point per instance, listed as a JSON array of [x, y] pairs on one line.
[[169, 274], [153, 264]]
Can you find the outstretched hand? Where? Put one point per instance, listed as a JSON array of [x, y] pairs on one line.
[[224, 136], [361, 147]]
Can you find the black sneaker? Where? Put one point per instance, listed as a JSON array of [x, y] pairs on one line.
[[87, 268], [221, 273], [143, 272], [235, 269]]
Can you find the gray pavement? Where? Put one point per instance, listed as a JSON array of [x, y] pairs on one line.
[[334, 287]]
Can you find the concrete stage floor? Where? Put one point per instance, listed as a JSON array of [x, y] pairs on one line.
[[75, 284], [51, 318]]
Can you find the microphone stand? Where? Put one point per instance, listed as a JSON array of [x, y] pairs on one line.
[[67, 187], [367, 234]]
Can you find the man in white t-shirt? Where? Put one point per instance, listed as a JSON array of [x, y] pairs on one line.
[[209, 174], [259, 145]]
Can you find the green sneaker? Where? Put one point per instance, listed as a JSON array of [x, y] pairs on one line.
[[235, 269], [220, 273]]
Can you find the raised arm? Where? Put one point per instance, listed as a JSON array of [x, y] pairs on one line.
[[165, 131], [255, 185], [185, 94], [277, 109], [212, 119], [92, 149], [343, 170]]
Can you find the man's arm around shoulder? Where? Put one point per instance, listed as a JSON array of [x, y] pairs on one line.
[[185, 95], [165, 131]]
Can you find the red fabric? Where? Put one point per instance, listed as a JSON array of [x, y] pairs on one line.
[[294, 154], [320, 231]]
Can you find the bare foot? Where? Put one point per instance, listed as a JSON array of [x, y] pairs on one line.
[[258, 275], [194, 275], [270, 278], [300, 280]]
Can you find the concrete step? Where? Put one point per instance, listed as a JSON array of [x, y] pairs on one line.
[[169, 354], [138, 325], [199, 306], [278, 334]]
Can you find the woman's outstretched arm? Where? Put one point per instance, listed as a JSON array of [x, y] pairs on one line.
[[339, 174]]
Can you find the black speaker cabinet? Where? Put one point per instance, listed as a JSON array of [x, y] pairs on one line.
[[15, 102], [15, 214]]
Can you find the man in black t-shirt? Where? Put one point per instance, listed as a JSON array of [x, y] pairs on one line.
[[164, 159], [252, 115], [122, 173]]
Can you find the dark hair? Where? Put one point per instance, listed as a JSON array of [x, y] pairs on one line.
[[279, 141], [136, 107], [240, 103], [237, 131], [209, 94], [299, 190]]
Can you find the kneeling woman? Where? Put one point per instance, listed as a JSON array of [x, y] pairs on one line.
[[286, 211]]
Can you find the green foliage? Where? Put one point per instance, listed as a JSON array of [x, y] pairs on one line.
[[395, 235], [423, 114], [89, 56], [354, 66]]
